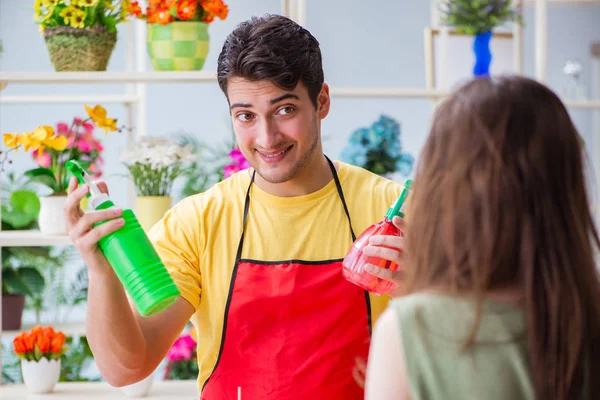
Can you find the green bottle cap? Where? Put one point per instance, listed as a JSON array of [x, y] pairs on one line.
[[398, 208]]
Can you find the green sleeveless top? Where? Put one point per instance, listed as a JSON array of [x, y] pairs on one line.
[[434, 328]]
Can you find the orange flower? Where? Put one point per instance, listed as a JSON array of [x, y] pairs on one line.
[[186, 9], [135, 9], [58, 340], [48, 331], [43, 343], [19, 344], [29, 340], [163, 17]]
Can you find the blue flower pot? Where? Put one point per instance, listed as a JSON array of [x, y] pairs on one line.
[[483, 54]]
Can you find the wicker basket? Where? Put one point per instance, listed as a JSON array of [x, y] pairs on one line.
[[80, 49]]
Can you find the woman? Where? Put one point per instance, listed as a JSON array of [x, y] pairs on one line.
[[503, 295]]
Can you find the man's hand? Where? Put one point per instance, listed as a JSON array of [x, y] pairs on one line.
[[389, 248]]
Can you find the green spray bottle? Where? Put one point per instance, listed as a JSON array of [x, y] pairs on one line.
[[131, 254]]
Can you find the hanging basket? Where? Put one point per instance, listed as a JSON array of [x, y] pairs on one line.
[[80, 49]]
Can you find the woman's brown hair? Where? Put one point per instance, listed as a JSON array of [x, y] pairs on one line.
[[500, 202]]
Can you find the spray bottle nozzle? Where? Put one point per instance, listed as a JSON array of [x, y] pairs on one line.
[[397, 209], [84, 178]]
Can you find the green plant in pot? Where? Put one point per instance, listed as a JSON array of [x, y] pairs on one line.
[[80, 34], [19, 279]]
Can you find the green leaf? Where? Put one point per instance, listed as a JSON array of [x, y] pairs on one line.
[[111, 23], [32, 278], [24, 209], [37, 353], [14, 283], [43, 176]]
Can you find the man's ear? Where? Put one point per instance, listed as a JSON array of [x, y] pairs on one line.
[[323, 102]]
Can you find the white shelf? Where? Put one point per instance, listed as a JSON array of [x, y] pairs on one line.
[[69, 329], [106, 77], [100, 99], [388, 92], [569, 2], [160, 390], [31, 238]]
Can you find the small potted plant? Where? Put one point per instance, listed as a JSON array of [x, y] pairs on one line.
[[378, 149], [40, 351], [80, 34], [182, 358], [479, 18], [178, 36], [154, 163], [52, 149]]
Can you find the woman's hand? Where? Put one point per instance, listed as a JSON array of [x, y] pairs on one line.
[[388, 248]]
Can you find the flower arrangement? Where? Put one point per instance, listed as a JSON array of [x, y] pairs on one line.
[[52, 148], [182, 361], [377, 148], [154, 163], [477, 17], [40, 342], [81, 13], [239, 163], [167, 11]]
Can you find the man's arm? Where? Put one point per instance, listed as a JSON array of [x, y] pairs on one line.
[[127, 347]]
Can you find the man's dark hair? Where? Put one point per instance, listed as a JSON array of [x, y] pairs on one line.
[[272, 48]]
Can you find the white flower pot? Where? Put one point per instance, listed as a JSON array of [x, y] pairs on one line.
[[139, 389], [52, 215], [40, 376]]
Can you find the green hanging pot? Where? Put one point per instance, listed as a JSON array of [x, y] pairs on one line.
[[178, 46]]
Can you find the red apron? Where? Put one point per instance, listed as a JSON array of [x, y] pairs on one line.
[[292, 329]]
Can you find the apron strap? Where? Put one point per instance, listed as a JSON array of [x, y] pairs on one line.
[[338, 185]]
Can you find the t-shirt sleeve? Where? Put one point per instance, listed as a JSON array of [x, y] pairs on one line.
[[176, 240]]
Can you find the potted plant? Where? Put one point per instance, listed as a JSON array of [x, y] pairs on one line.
[[182, 358], [19, 279], [154, 163], [80, 34], [40, 350], [378, 149], [52, 149], [479, 18], [178, 36]]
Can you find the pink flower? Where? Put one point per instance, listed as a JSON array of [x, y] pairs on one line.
[[230, 170], [89, 128], [62, 128], [182, 349], [77, 121], [237, 156], [43, 159], [84, 146]]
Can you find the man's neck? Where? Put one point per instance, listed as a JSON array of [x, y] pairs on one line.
[[315, 176]]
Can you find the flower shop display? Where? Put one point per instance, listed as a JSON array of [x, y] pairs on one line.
[[154, 163], [80, 34], [52, 149], [378, 149], [178, 38], [182, 358], [479, 18], [40, 351]]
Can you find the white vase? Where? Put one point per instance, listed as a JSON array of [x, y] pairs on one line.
[[139, 389], [40, 376], [52, 215]]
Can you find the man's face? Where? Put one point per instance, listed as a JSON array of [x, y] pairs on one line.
[[278, 131]]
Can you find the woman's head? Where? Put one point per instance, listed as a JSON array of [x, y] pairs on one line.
[[500, 202]]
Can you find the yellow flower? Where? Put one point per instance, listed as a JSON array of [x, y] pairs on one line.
[[108, 4], [41, 133], [28, 141], [125, 6], [50, 3], [108, 124], [67, 13], [11, 140], [37, 6], [88, 3], [58, 143], [97, 114]]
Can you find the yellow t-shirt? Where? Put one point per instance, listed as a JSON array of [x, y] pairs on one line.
[[198, 239]]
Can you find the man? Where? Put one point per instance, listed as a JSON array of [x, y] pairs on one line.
[[257, 258]]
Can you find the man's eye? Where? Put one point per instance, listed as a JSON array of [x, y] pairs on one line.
[[286, 110], [244, 117]]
